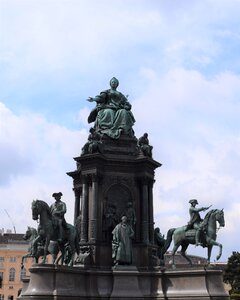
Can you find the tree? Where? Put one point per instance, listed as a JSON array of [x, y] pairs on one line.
[[232, 273]]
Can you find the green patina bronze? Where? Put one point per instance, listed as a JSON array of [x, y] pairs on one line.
[[49, 230], [122, 243], [94, 143], [196, 220], [58, 210], [205, 231], [144, 146], [36, 250], [112, 114], [159, 241]]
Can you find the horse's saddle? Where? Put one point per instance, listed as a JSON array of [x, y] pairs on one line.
[[190, 233]]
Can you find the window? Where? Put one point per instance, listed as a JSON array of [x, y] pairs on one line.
[[13, 259], [10, 297], [1, 262], [1, 280], [1, 297], [23, 273], [12, 274]]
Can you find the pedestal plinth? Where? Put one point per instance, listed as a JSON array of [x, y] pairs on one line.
[[49, 282], [126, 283]]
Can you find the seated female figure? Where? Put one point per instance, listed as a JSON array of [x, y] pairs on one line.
[[112, 115]]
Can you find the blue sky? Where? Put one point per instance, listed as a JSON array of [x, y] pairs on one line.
[[179, 63]]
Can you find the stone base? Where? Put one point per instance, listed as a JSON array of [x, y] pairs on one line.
[[123, 283]]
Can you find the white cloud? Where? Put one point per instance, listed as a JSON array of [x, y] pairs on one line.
[[55, 37], [35, 156], [194, 128]]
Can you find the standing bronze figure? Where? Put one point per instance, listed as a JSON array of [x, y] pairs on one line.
[[122, 243]]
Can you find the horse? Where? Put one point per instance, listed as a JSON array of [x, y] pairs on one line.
[[47, 231], [30, 236], [183, 237]]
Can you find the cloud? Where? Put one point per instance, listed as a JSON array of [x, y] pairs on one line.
[[35, 156], [54, 38], [194, 128]]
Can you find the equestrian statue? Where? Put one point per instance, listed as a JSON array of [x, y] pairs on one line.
[[198, 231], [53, 227], [37, 251]]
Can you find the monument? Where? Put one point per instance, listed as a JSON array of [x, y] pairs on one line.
[[119, 249]]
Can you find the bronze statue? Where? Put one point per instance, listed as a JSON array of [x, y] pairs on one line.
[[183, 237], [130, 214], [94, 142], [122, 243], [195, 219], [143, 143], [48, 232], [38, 251], [110, 219], [58, 210], [159, 241], [112, 115]]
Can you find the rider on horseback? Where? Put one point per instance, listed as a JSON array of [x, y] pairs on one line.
[[58, 209], [195, 219]]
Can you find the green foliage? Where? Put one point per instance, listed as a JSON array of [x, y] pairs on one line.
[[235, 296], [232, 274]]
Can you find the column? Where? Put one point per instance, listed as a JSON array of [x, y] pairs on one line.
[[145, 221], [77, 194], [150, 206], [93, 221], [84, 210]]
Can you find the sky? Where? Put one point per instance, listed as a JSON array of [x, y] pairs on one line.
[[179, 63]]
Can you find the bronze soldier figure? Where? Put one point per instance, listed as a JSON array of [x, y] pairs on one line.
[[195, 219], [58, 210]]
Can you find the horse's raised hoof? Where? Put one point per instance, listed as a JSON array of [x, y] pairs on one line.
[[217, 258]]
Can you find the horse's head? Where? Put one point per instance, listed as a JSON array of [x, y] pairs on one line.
[[220, 217], [29, 233], [35, 209], [214, 215], [39, 208]]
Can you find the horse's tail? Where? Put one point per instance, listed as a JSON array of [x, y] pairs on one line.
[[168, 240]]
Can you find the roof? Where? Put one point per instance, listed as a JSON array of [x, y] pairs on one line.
[[12, 238]]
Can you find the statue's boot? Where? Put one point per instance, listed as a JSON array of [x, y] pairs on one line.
[[60, 236], [198, 238]]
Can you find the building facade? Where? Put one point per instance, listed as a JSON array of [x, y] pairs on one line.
[[12, 248]]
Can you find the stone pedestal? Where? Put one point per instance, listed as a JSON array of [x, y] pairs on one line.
[[126, 283], [49, 282], [25, 283], [104, 184]]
